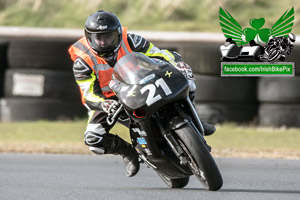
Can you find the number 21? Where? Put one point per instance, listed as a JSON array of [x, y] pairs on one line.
[[151, 99]]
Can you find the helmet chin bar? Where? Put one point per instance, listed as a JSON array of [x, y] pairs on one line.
[[106, 54], [109, 54]]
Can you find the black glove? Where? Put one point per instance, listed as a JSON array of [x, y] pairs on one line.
[[110, 106]]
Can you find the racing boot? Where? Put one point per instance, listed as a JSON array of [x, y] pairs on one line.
[[132, 164], [208, 128], [118, 146]]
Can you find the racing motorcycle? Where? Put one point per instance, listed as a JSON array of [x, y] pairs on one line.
[[278, 47], [164, 126]]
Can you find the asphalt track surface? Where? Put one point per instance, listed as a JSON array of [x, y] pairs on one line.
[[44, 177]]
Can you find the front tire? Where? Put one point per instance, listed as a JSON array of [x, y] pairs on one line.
[[199, 159], [174, 182]]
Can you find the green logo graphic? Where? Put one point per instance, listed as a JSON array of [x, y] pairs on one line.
[[232, 29]]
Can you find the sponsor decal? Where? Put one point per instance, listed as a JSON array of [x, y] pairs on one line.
[[131, 94], [146, 79], [141, 140], [168, 74], [141, 133], [102, 27]]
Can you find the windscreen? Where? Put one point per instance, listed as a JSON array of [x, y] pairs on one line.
[[134, 67]]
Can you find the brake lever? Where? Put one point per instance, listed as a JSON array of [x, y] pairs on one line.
[[111, 120]]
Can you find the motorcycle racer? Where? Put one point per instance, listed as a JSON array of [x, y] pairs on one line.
[[94, 56]]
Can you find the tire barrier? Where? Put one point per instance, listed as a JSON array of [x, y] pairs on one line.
[[279, 90], [204, 58], [1, 84], [279, 101], [3, 63], [41, 83], [220, 99], [40, 94], [3, 54], [294, 57], [221, 112], [30, 109], [40, 53], [224, 89], [276, 114]]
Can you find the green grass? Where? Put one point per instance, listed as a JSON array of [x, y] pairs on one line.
[[47, 131], [231, 135], [42, 131], [167, 15], [47, 137], [229, 140], [42, 137], [248, 141]]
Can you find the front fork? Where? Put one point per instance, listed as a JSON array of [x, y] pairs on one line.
[[194, 113], [195, 116], [174, 144]]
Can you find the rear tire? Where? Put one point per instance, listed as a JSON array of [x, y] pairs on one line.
[[174, 182], [200, 160]]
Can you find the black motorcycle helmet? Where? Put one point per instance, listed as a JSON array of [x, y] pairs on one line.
[[103, 31]]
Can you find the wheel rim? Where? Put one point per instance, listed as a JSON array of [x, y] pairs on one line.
[[193, 165]]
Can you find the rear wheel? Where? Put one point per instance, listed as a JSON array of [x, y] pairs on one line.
[[174, 182], [199, 159]]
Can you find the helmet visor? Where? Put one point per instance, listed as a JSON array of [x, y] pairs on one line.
[[103, 42]]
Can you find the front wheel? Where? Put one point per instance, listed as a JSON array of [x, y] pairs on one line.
[[199, 159], [174, 182]]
